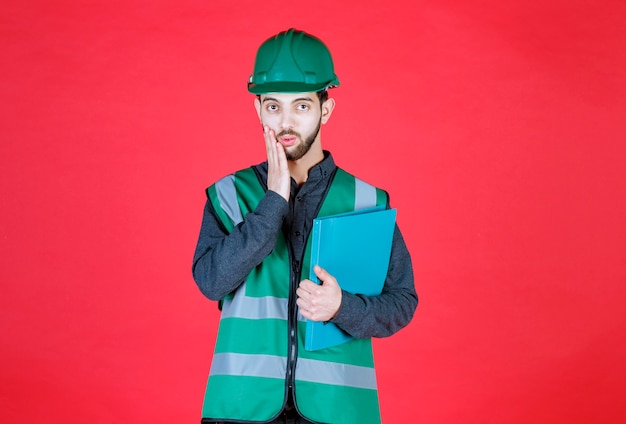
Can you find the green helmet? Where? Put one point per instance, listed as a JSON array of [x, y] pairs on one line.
[[292, 62]]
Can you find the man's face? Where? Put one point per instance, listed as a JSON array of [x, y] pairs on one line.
[[295, 119]]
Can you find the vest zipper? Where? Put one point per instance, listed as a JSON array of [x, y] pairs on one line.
[[292, 326]]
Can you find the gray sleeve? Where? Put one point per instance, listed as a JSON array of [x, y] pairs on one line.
[[221, 260], [385, 314]]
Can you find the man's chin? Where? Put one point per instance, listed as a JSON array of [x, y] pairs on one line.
[[295, 153]]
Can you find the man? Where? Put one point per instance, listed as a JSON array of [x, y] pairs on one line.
[[252, 256]]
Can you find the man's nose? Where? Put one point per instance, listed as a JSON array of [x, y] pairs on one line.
[[286, 122]]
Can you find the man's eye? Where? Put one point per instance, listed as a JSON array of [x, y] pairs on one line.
[[303, 107], [272, 108]]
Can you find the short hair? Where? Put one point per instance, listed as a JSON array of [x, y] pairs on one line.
[[323, 96]]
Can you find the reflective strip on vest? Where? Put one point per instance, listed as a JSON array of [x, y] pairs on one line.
[[336, 373], [364, 195], [227, 195], [307, 369], [268, 366], [241, 306]]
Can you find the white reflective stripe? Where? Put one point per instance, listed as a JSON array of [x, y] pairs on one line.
[[242, 306], [364, 194], [268, 366], [227, 195], [310, 370], [335, 373]]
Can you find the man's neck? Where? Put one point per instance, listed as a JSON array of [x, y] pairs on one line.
[[299, 169]]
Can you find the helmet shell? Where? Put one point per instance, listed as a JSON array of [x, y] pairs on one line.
[[292, 62]]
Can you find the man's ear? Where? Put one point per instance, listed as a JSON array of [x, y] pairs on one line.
[[257, 106], [327, 109]]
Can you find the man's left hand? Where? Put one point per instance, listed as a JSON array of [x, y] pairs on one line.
[[319, 302]]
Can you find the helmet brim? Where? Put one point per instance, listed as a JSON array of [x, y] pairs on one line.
[[289, 87]]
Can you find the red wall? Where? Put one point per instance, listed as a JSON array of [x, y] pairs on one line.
[[498, 128]]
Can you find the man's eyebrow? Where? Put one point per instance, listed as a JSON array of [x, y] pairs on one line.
[[299, 99]]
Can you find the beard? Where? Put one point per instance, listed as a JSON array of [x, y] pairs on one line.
[[305, 144]]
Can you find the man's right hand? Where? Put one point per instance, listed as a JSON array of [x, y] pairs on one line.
[[278, 177]]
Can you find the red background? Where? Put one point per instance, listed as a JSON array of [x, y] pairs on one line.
[[497, 127]]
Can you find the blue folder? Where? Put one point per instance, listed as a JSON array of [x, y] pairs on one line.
[[354, 248]]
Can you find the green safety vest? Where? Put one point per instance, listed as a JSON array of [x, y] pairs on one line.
[[248, 376]]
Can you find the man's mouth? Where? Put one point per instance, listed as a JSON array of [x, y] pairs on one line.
[[287, 140]]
